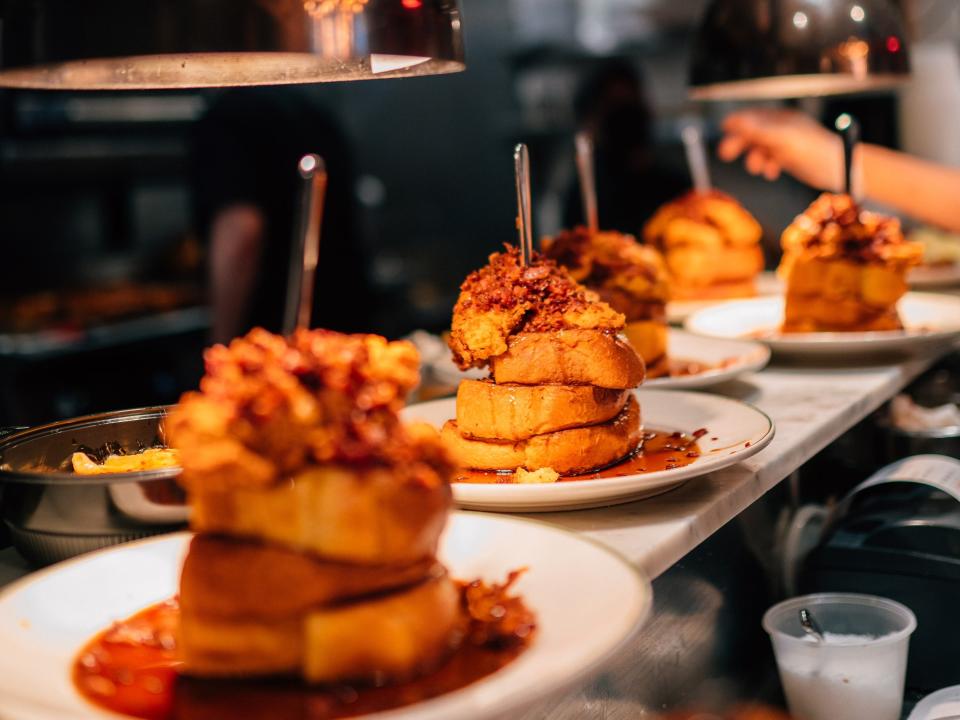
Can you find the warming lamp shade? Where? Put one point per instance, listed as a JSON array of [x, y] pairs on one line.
[[769, 49], [157, 44]]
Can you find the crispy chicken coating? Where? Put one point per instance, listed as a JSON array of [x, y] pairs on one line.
[[632, 278], [504, 298], [269, 405]]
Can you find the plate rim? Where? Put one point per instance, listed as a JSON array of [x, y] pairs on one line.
[[435, 706], [668, 477], [714, 376], [869, 338]]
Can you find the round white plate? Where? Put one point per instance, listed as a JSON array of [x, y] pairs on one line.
[[731, 359], [736, 357], [943, 704], [767, 283], [927, 318], [932, 276], [735, 431], [46, 617]]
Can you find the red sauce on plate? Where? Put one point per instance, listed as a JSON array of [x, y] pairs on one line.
[[131, 668], [659, 450]]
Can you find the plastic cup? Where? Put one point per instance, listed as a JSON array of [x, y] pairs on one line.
[[858, 672]]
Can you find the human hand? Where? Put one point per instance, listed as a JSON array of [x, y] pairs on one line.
[[775, 140]]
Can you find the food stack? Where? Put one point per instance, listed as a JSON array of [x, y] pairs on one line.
[[844, 268], [630, 277], [711, 245], [317, 513], [558, 399]]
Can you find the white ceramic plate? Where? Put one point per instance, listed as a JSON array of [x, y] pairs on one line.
[[736, 356], [678, 311], [48, 616], [735, 431], [927, 318], [932, 276], [731, 359], [943, 704]]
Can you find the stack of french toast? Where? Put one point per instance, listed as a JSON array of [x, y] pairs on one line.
[[844, 268], [317, 513], [630, 277], [711, 245], [558, 400]]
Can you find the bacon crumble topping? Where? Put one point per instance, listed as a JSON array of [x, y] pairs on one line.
[[268, 406], [504, 298], [630, 277], [834, 226]]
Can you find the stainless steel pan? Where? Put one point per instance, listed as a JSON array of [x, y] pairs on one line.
[[52, 513]]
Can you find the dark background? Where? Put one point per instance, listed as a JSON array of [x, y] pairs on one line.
[[97, 188]]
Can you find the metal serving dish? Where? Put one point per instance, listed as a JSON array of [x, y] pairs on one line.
[[52, 513]]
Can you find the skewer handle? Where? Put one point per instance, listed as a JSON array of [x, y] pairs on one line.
[[696, 158], [521, 166], [588, 184], [303, 262], [849, 129]]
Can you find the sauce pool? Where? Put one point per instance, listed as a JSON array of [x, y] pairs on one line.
[[659, 450], [131, 669]]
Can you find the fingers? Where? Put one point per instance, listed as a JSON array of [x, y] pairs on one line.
[[756, 161], [759, 161], [771, 170], [731, 147]]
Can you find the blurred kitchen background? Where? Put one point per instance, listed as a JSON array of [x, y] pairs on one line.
[[105, 199]]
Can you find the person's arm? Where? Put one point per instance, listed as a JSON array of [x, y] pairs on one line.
[[236, 244], [924, 190], [772, 141]]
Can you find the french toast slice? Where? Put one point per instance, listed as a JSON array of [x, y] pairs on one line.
[[229, 578], [568, 452], [842, 295], [488, 410], [569, 357], [649, 339], [363, 515], [388, 636]]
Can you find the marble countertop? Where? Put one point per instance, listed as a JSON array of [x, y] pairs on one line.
[[811, 407]]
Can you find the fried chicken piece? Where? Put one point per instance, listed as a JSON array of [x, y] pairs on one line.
[[630, 277], [711, 245], [504, 298], [269, 406], [844, 268]]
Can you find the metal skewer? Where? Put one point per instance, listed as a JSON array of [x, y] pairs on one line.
[[696, 158], [306, 252], [521, 166], [588, 184], [849, 129]]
